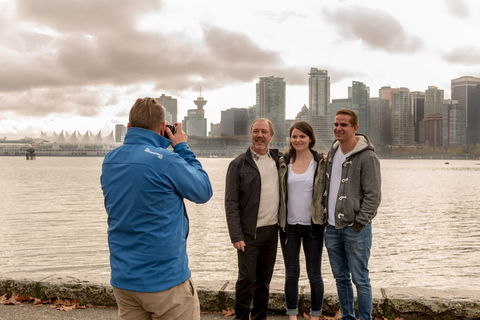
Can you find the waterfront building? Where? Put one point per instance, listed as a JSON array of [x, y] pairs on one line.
[[336, 105], [319, 105], [466, 90], [401, 115], [271, 103], [403, 131], [234, 122], [359, 93], [454, 124], [379, 126], [120, 131], [195, 123], [431, 130], [303, 114], [170, 105], [215, 129], [433, 101], [418, 105]]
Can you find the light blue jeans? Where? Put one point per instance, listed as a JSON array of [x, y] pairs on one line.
[[349, 252]]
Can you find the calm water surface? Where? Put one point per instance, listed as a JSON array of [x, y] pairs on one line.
[[426, 233]]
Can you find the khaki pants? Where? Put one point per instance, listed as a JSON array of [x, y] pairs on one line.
[[177, 303]]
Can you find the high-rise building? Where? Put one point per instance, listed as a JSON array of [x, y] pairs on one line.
[[170, 105], [318, 92], [234, 122], [319, 105], [433, 101], [403, 131], [360, 93], [303, 115], [379, 126], [454, 124], [215, 129], [401, 115], [430, 133], [271, 103], [195, 123], [336, 105], [418, 104], [466, 90], [120, 131]]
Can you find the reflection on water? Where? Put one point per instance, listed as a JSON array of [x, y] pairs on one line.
[[426, 233]]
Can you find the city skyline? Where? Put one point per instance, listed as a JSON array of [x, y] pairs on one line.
[[80, 65]]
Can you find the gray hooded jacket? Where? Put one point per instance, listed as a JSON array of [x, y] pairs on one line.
[[359, 194]]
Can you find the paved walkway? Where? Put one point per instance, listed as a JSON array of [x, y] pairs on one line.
[[29, 312]]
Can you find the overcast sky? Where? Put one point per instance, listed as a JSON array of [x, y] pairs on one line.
[[81, 64]]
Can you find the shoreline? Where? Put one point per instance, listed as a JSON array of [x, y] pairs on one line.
[[408, 303]]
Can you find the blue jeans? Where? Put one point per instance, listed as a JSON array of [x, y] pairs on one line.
[[312, 247], [349, 252]]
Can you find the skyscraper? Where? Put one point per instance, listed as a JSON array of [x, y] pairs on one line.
[[360, 93], [403, 131], [120, 131], [318, 92], [379, 126], [466, 90], [234, 122], [170, 105], [433, 101], [401, 115], [418, 104], [319, 105], [454, 124], [271, 103]]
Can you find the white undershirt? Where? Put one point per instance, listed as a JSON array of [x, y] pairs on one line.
[[300, 189], [335, 180]]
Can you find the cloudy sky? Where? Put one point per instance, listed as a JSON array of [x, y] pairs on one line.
[[80, 64]]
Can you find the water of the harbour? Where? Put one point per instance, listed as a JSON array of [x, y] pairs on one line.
[[426, 233]]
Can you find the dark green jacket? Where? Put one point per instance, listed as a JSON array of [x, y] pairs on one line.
[[318, 210]]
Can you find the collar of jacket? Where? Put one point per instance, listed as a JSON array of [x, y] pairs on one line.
[[144, 136], [318, 157]]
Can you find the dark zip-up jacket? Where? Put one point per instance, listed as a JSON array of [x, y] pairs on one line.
[[242, 195]]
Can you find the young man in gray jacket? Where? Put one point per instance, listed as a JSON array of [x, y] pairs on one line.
[[353, 194]]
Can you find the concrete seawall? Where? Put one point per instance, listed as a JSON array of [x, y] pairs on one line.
[[407, 303]]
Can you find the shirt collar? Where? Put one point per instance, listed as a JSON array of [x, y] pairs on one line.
[[257, 156]]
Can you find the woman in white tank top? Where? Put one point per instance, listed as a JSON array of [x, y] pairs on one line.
[[301, 216]]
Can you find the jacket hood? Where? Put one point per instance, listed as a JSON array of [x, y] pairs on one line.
[[363, 144], [145, 136]]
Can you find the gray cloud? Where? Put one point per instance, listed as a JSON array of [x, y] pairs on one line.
[[458, 8], [464, 55], [376, 29], [79, 44]]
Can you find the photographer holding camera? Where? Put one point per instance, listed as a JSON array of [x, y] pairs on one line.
[[144, 186]]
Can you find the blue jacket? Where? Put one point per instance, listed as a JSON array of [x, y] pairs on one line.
[[144, 185]]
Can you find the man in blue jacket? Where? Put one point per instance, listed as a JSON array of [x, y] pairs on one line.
[[144, 185]]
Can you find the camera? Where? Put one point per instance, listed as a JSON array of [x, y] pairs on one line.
[[172, 128]]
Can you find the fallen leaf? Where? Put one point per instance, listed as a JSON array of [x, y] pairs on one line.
[[228, 312]]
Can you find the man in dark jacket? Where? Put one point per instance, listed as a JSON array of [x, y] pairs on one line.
[[251, 205], [353, 196]]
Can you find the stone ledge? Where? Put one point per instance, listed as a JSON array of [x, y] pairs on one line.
[[408, 303]]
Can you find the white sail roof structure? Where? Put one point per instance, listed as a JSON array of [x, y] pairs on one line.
[[97, 139], [84, 138], [110, 138]]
